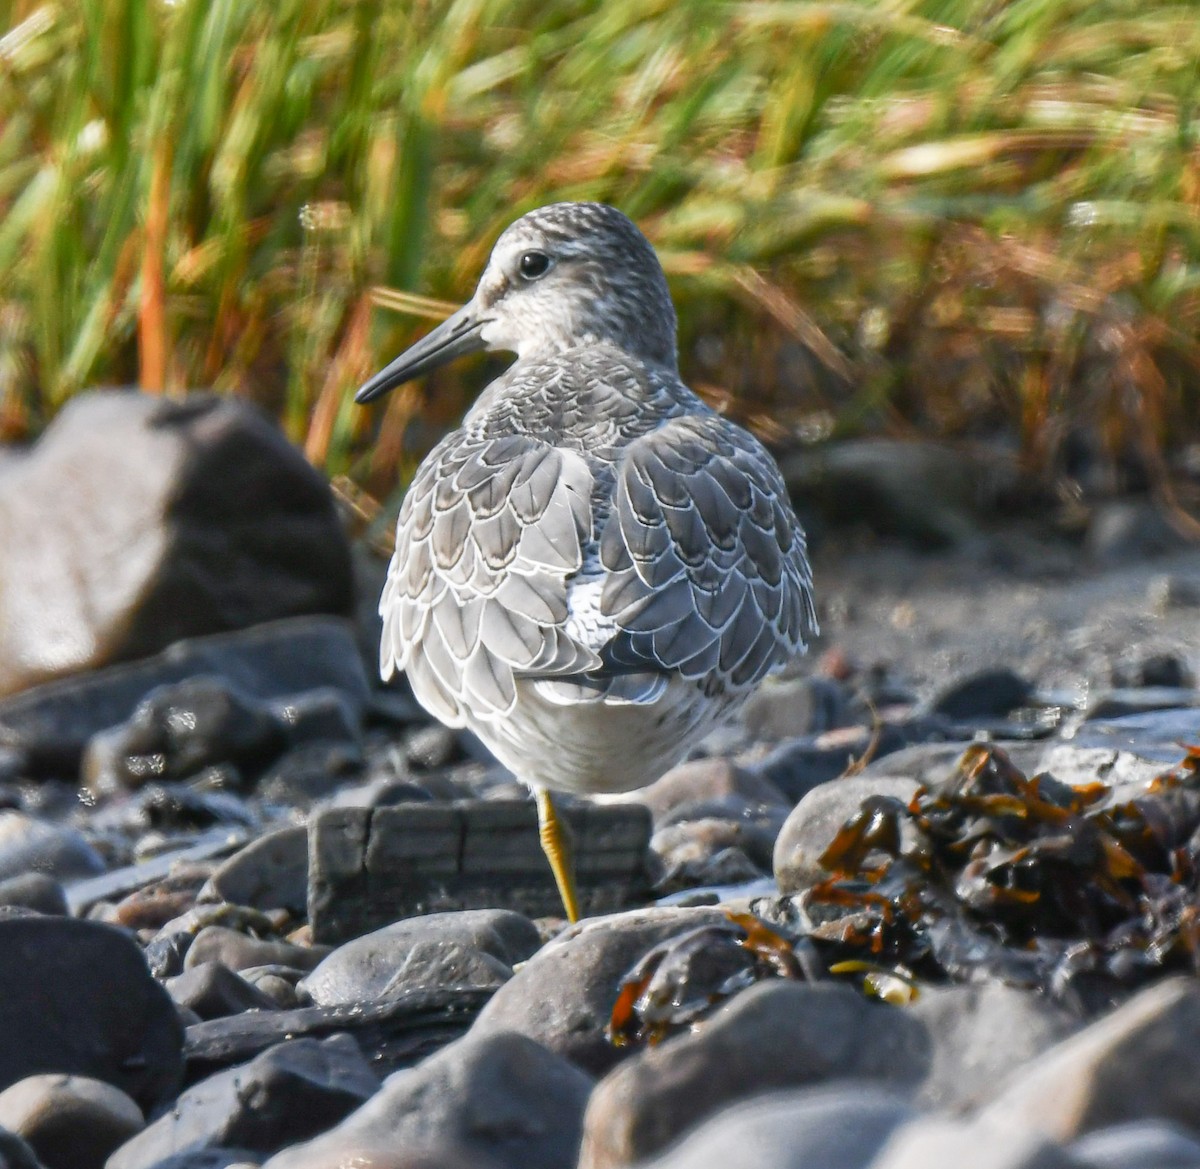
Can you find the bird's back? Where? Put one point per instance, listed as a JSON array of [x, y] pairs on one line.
[[594, 552]]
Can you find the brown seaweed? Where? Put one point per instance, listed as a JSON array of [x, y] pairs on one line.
[[1083, 892]]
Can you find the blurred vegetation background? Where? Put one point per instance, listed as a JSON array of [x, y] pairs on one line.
[[949, 217]]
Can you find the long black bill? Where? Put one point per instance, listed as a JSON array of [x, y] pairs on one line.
[[456, 336]]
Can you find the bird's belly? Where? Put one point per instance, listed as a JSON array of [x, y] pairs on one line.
[[597, 747]]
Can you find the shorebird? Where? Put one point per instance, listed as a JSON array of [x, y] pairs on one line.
[[596, 567]]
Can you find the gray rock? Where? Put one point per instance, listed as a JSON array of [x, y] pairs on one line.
[[310, 772], [979, 1033], [321, 715], [777, 1034], [445, 964], [1166, 669], [213, 991], [1146, 1144], [1121, 701], [393, 1033], [711, 851], [34, 891], [564, 995], [140, 520], [503, 1099], [76, 997], [929, 493], [70, 1122], [988, 694], [817, 819], [707, 779], [1140, 1062], [271, 872], [212, 1159], [935, 1143], [1152, 735], [29, 845], [215, 943], [121, 882], [833, 1127], [177, 731], [16, 1154], [278, 983], [1123, 531], [1172, 591], [363, 970], [931, 763], [49, 725], [1081, 766], [289, 1093], [782, 708]]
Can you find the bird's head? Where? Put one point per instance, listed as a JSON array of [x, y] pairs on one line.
[[563, 275]]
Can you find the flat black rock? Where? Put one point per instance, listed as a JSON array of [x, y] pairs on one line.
[[394, 1034]]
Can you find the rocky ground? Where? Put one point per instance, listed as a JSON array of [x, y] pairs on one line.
[[256, 911]]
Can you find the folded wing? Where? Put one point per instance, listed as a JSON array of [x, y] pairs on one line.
[[707, 571]]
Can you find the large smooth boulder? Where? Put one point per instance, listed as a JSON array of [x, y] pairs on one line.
[[777, 1034], [291, 1092], [137, 521], [502, 1100], [76, 997]]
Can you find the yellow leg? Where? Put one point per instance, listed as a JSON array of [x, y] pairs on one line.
[[558, 852]]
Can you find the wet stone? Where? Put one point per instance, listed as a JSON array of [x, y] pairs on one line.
[[1118, 702], [1154, 669], [1140, 1062], [782, 708], [271, 872], [28, 845], [1146, 1144], [213, 991], [989, 694], [816, 820], [394, 1033], [310, 772], [708, 852], [391, 959], [979, 1033], [714, 779], [111, 1020], [16, 1154], [34, 891], [564, 995], [70, 1122], [936, 1143], [180, 729], [50, 725], [137, 520], [280, 984], [777, 1034], [324, 714], [235, 950], [289, 1093], [368, 867], [500, 1100], [832, 1127]]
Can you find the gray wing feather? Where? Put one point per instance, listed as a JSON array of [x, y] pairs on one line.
[[488, 534], [707, 571]]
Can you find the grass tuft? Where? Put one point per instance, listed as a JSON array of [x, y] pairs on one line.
[[929, 215]]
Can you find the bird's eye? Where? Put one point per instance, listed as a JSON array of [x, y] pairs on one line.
[[534, 264]]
